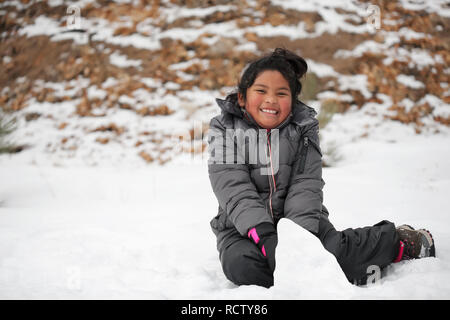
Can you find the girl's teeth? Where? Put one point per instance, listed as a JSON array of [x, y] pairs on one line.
[[269, 111]]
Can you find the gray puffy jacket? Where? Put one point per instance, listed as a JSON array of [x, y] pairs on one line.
[[250, 192]]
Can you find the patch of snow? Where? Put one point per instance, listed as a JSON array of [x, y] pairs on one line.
[[250, 46], [122, 61], [437, 6], [333, 95], [96, 93], [440, 108], [172, 85], [321, 69], [151, 83], [7, 59], [409, 34], [409, 81], [103, 234], [110, 82], [355, 82]]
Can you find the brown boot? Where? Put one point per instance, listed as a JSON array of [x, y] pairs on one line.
[[415, 244]]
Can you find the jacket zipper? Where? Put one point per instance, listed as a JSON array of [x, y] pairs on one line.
[[303, 155], [269, 149], [281, 125]]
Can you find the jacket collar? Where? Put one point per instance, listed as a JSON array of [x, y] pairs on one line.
[[301, 114]]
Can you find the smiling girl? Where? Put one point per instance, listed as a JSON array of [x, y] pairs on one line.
[[252, 203]]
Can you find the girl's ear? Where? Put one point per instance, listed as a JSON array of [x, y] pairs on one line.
[[241, 101]]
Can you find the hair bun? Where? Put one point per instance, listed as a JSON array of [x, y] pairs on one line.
[[298, 64]]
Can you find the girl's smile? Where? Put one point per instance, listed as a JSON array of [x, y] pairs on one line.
[[268, 100]]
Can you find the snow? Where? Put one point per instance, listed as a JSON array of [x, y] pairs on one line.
[[102, 223], [187, 64], [320, 69], [356, 82], [415, 56], [122, 61], [6, 59], [151, 83], [439, 107], [41, 26], [409, 34], [95, 93], [129, 230], [224, 29], [438, 6], [148, 37], [105, 32], [409, 81]]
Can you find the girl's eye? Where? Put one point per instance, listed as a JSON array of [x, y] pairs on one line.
[[260, 91]]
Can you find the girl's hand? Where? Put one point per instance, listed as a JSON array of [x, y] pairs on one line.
[[265, 237]]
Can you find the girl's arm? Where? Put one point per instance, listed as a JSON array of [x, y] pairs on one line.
[[231, 183], [303, 203]]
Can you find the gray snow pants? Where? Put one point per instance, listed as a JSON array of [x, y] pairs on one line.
[[356, 250]]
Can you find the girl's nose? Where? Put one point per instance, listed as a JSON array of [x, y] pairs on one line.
[[271, 98]]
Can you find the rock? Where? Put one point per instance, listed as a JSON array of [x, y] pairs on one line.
[[32, 116], [102, 140], [84, 107], [148, 158], [112, 127], [125, 31]]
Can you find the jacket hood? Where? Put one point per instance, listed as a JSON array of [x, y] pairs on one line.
[[301, 114]]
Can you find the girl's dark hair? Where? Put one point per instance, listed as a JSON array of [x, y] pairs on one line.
[[289, 64]]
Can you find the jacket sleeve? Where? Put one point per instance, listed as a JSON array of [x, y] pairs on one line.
[[231, 183], [303, 203]]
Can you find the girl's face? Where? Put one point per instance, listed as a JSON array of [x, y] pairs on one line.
[[269, 99]]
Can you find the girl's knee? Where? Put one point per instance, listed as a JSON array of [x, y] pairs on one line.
[[243, 264]]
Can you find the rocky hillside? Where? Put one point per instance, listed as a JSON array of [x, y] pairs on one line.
[[93, 81]]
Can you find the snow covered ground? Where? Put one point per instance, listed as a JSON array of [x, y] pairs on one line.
[[142, 232], [83, 220]]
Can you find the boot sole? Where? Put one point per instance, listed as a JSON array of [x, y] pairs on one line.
[[428, 243], [428, 248]]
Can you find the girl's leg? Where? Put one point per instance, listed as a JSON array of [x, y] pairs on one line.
[[360, 251], [243, 263]]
